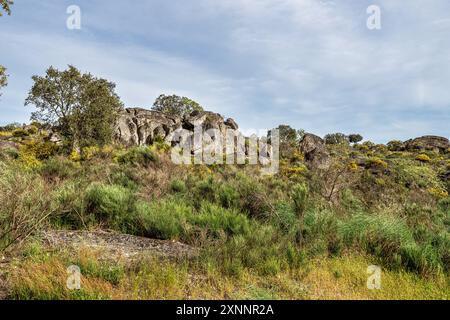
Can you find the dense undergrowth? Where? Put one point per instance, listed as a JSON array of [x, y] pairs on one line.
[[395, 209]]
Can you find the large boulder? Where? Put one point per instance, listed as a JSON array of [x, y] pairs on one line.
[[315, 151], [140, 127], [434, 143]]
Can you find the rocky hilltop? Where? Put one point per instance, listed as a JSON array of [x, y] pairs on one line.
[[138, 126]]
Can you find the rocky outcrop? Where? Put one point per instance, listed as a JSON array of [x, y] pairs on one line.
[[141, 127], [433, 143], [315, 151]]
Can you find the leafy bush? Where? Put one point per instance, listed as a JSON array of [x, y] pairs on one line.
[[300, 197], [336, 138], [174, 219], [20, 133], [423, 158], [178, 186], [228, 196], [377, 163], [109, 203], [143, 156]]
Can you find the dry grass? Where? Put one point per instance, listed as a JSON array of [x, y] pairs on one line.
[[43, 276]]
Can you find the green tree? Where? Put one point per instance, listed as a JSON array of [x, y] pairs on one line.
[[5, 5], [336, 138], [83, 108], [355, 138], [3, 78], [289, 140], [176, 105]]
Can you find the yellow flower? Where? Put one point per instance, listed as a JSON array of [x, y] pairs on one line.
[[438, 193], [423, 158], [353, 166], [75, 156]]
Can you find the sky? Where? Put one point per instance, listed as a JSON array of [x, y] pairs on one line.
[[311, 64]]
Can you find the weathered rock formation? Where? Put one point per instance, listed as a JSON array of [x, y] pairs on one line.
[[140, 127], [315, 151], [434, 143]]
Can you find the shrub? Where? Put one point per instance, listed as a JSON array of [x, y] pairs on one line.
[[75, 156], [299, 196], [321, 227], [58, 168], [138, 156], [178, 186], [109, 203], [205, 190], [174, 219], [390, 239], [26, 205], [39, 149], [88, 153], [336, 138], [253, 199], [423, 158], [377, 163], [20, 133], [32, 130], [438, 193], [228, 196], [396, 145]]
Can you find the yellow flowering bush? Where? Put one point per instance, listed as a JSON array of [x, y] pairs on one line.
[[353, 166], [438, 193], [377, 162], [87, 153], [75, 156], [423, 158]]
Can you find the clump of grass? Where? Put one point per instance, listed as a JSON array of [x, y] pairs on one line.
[[109, 203]]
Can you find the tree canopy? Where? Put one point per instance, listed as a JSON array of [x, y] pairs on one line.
[[5, 6], [355, 138], [176, 105], [336, 138], [82, 107], [289, 140]]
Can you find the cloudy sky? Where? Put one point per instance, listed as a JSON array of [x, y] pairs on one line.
[[312, 64]]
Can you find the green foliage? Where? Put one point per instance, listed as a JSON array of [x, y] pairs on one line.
[[174, 219], [175, 105], [10, 127], [5, 5], [336, 138], [228, 196], [289, 140], [109, 203], [143, 156], [178, 186], [355, 138], [20, 133], [300, 197], [396, 145], [26, 205], [84, 108], [58, 168]]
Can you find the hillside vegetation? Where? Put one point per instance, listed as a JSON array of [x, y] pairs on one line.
[[303, 233]]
